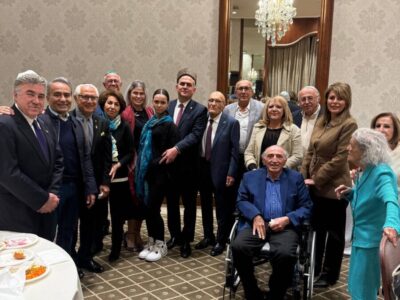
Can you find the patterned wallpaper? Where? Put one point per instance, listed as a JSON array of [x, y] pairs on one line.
[[152, 39], [366, 54], [82, 39]]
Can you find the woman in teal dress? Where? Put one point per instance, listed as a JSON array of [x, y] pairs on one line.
[[375, 210]]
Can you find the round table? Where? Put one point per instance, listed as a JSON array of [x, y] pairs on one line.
[[62, 282]]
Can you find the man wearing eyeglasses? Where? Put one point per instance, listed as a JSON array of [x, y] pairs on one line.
[[98, 140], [247, 111], [112, 81], [308, 99], [218, 168], [190, 117]]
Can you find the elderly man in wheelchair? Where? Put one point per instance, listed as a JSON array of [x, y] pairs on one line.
[[273, 203]]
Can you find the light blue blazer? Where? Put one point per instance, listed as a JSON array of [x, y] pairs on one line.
[[374, 204]]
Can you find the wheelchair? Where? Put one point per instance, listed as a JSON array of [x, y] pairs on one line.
[[303, 277]]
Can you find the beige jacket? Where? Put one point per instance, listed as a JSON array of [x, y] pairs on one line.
[[326, 158], [289, 139]]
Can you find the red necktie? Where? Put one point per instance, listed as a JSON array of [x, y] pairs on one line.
[[180, 113], [207, 150]]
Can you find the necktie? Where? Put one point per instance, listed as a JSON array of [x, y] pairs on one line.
[[41, 139], [180, 113], [86, 131], [207, 150]]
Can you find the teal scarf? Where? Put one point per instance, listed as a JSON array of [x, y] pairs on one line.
[[113, 125], [145, 156]]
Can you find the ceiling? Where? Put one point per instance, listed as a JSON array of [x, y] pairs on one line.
[[247, 8]]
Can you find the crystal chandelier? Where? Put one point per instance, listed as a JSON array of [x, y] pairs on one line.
[[273, 18]]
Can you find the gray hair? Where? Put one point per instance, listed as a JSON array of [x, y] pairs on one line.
[[374, 146], [135, 84], [285, 153], [89, 85], [29, 77], [310, 87], [59, 80]]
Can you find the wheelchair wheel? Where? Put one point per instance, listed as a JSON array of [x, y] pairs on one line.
[[232, 279], [308, 278]]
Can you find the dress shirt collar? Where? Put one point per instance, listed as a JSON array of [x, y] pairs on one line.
[[29, 120], [313, 116], [59, 115]]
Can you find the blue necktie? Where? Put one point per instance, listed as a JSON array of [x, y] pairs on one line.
[[41, 139]]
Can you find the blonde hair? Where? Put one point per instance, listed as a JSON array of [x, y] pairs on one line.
[[287, 114]]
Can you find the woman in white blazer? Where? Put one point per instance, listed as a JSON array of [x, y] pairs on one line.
[[275, 128]]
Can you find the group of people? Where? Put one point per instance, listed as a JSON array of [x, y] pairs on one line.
[[278, 163]]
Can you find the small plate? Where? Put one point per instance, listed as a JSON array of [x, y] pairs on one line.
[[20, 241], [7, 258], [40, 276]]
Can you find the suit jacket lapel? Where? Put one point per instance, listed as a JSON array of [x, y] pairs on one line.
[[186, 113], [284, 190], [260, 191], [49, 140], [220, 129], [27, 131]]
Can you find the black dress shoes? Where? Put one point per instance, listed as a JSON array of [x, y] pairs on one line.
[[186, 250], [92, 266], [81, 274], [113, 257], [172, 242], [204, 243], [323, 281], [217, 249]]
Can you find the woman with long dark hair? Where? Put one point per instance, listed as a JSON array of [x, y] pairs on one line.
[[152, 178]]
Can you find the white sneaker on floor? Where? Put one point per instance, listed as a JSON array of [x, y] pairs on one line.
[[158, 251], [147, 249]]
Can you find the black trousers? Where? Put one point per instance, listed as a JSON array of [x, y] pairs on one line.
[[100, 211], [283, 258], [329, 221], [183, 186], [120, 206], [224, 202], [154, 221]]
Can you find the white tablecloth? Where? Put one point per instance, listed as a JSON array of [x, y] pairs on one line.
[[62, 282]]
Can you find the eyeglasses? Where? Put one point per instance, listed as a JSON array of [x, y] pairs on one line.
[[88, 98], [243, 88], [212, 100], [113, 81]]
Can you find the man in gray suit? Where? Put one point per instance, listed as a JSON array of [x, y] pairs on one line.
[[31, 164], [248, 112]]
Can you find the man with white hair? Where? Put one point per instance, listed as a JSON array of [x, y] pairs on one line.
[[308, 99], [274, 202], [98, 140], [31, 165]]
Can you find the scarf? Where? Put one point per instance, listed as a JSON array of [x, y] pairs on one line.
[[145, 156], [113, 125]]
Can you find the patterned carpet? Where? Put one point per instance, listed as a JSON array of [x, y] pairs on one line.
[[199, 277]]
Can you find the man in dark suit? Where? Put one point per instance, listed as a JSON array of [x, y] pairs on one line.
[[273, 201], [98, 140], [218, 169], [191, 119], [31, 164]]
